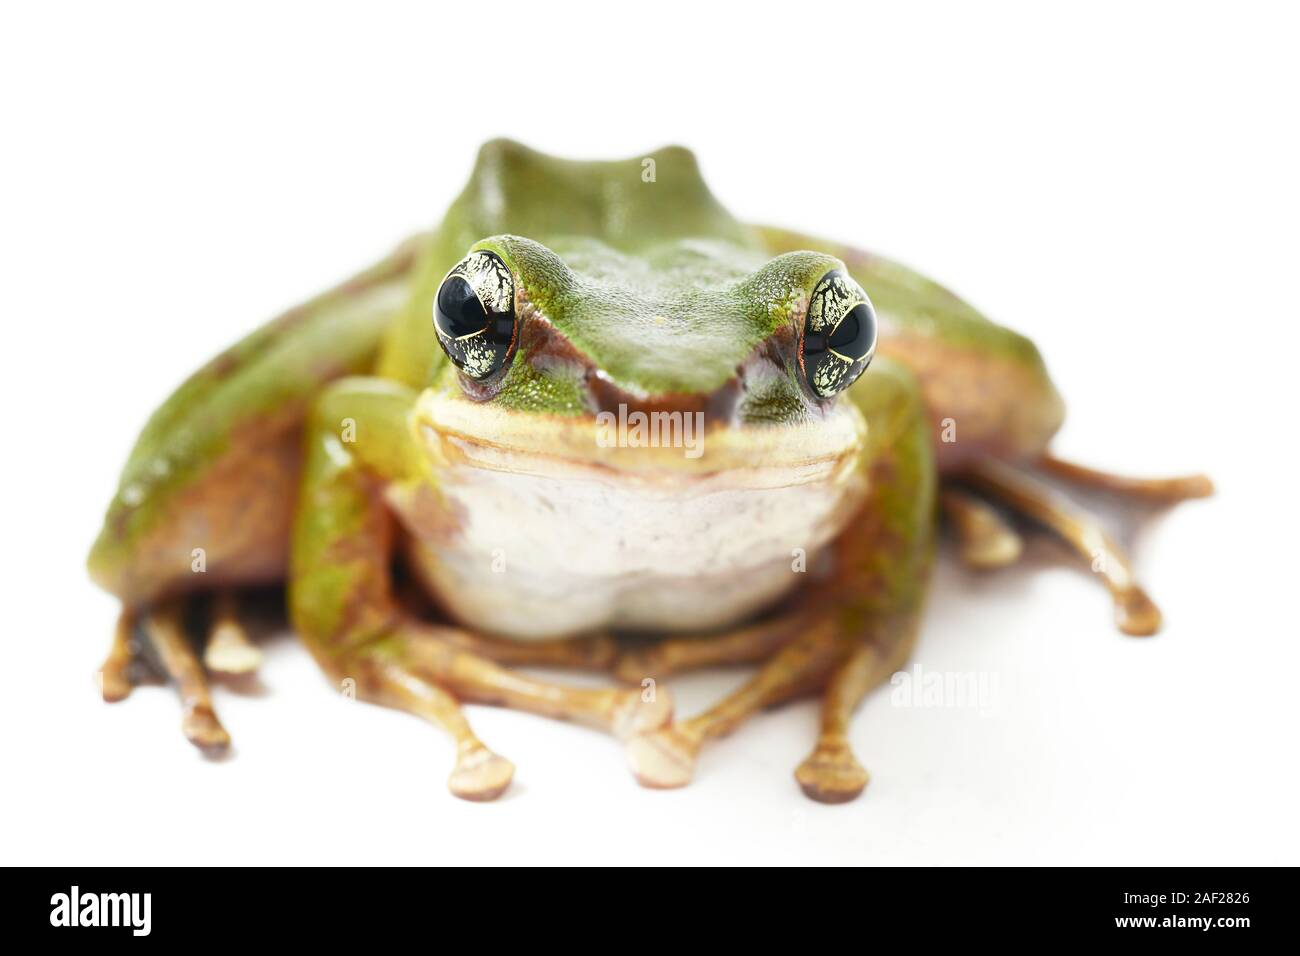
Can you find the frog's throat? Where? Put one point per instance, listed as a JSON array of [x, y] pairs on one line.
[[669, 445]]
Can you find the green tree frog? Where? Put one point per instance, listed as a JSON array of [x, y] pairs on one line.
[[592, 420]]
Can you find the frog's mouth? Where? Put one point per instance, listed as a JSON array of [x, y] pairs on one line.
[[646, 443]]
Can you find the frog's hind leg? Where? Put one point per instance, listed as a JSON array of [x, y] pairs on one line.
[[1149, 490], [164, 629], [156, 639], [1135, 613], [985, 538]]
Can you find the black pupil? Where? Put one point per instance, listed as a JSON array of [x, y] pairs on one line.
[[459, 310], [855, 334]]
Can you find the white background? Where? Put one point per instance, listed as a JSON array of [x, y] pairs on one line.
[[1118, 182]]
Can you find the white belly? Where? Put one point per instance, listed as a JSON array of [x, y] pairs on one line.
[[531, 556]]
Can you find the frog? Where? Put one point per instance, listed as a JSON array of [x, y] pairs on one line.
[[594, 421]]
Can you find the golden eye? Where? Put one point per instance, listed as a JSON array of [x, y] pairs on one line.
[[839, 336], [474, 314]]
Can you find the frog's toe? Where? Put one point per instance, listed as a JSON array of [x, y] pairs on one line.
[[641, 711], [1135, 613], [666, 758], [986, 539], [114, 683], [115, 674], [480, 774], [831, 774], [229, 650], [203, 730]]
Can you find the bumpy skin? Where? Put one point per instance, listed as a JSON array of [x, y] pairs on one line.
[[630, 291]]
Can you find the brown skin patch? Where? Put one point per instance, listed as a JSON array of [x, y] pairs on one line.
[[995, 404], [239, 512]]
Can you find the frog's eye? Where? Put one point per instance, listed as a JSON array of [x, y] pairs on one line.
[[839, 335], [474, 314]]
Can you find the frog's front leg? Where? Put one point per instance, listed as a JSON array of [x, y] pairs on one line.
[[342, 603], [831, 774], [854, 629], [751, 644]]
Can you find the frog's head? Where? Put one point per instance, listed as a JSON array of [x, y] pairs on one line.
[[615, 333], [566, 351]]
